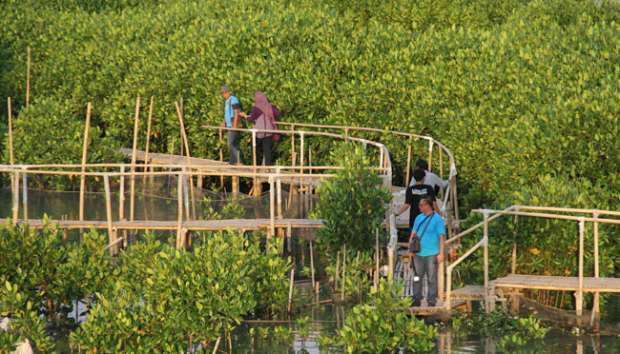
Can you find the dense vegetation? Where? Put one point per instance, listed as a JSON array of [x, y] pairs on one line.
[[151, 298]]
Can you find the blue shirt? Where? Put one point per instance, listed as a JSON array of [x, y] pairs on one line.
[[429, 244], [229, 110]]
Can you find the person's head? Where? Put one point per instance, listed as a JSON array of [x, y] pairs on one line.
[[426, 206], [226, 92], [260, 98], [418, 175], [421, 163]]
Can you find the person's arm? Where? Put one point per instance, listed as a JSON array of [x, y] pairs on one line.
[[276, 112], [254, 114], [402, 209], [442, 245]]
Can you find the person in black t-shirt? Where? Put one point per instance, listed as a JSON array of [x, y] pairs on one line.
[[414, 194]]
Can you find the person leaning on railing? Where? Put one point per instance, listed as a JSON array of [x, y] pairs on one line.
[[263, 116], [232, 108], [430, 228]]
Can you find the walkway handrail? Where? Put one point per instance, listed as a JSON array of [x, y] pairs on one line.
[[537, 212]]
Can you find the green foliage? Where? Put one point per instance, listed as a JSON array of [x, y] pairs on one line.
[[352, 205], [510, 332], [25, 322], [230, 210], [184, 297], [383, 326], [357, 281]]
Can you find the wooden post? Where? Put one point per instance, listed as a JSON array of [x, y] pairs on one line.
[[84, 156], [595, 305], [487, 300], [312, 265], [132, 181], [221, 135], [179, 209], [430, 155], [10, 122], [579, 294], [15, 197], [28, 64], [148, 137], [293, 155], [186, 195], [337, 275], [376, 277], [408, 168], [121, 194], [344, 271], [513, 265], [272, 208], [25, 195], [290, 291], [441, 163], [108, 212], [179, 108], [301, 156]]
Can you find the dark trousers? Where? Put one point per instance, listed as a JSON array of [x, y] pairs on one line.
[[425, 266], [264, 149], [233, 147]]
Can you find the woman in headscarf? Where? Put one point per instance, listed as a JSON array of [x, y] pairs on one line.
[[263, 116]]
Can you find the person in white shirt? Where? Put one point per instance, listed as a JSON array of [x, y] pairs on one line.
[[430, 179]]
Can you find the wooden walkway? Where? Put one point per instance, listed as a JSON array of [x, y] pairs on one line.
[[549, 282], [172, 225]]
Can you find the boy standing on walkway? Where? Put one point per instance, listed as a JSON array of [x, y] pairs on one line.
[[232, 108]]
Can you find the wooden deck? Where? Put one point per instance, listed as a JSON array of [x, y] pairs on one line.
[[192, 225], [548, 282]]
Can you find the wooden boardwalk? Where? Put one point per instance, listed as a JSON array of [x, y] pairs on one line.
[[172, 225], [549, 282]]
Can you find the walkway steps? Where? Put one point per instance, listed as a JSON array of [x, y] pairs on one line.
[[192, 225], [548, 282]]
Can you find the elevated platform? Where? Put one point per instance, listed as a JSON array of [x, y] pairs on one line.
[[192, 225], [549, 282]]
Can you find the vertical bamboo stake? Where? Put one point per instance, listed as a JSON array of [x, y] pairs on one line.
[[84, 156], [179, 209], [595, 305], [221, 135], [121, 194], [272, 208], [290, 291], [337, 275], [25, 195], [289, 236], [148, 137], [187, 153], [376, 278], [408, 170], [15, 197], [301, 156], [441, 163], [10, 120], [186, 195], [430, 155], [108, 212], [579, 295], [344, 270], [293, 157], [312, 264], [132, 181], [28, 77], [485, 231]]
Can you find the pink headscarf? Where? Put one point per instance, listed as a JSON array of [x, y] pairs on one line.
[[261, 102]]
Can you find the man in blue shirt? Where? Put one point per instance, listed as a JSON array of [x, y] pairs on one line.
[[431, 229], [232, 108]]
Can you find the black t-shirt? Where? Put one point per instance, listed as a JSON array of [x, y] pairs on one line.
[[413, 196]]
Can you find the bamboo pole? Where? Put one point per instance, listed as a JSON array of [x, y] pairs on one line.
[[289, 236], [25, 196], [312, 265], [221, 136], [596, 301], [121, 195], [430, 155], [186, 195], [376, 278], [441, 163], [132, 181], [272, 208], [408, 169], [148, 136], [179, 108], [15, 197], [301, 156], [84, 157], [10, 121], [179, 209], [485, 245], [579, 294], [344, 271], [293, 155], [290, 291], [28, 65], [108, 211]]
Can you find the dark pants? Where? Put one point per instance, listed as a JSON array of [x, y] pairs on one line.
[[425, 266], [233, 147], [264, 148]]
